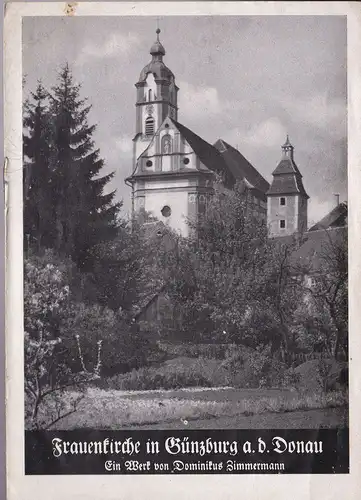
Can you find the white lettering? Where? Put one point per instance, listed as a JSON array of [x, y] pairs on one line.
[[57, 451]]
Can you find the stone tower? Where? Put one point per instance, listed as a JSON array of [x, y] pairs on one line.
[[286, 197]]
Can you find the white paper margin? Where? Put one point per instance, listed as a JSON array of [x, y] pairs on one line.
[[323, 487]]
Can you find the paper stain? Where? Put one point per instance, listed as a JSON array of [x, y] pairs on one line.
[[70, 8]]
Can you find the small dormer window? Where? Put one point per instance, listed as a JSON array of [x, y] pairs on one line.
[[149, 126], [283, 201]]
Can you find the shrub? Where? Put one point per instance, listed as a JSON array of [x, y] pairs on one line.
[[208, 351], [323, 375], [48, 374], [68, 344], [173, 374], [255, 368], [158, 378]]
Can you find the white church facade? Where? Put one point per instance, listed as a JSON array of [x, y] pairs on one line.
[[174, 169]]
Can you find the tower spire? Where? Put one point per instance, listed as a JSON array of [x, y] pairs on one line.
[[287, 148], [156, 96], [157, 50]]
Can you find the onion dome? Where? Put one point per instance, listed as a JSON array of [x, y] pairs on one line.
[[156, 65], [157, 48]]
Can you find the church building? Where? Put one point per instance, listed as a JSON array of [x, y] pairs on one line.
[[174, 169]]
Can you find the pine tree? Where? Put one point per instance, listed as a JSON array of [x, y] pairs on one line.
[[38, 227], [84, 214]]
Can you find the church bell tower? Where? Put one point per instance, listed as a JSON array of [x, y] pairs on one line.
[[156, 98], [170, 178]]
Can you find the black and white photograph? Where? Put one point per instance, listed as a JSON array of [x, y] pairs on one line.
[[185, 242]]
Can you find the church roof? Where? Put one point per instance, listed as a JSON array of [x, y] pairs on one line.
[[220, 158], [240, 167], [336, 218], [207, 153]]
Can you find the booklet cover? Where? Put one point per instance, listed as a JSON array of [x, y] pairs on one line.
[[181, 181]]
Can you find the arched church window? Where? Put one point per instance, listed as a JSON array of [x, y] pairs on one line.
[[166, 144], [149, 126], [149, 94]]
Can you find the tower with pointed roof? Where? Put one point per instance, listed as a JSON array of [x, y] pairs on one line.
[[156, 97], [286, 197]]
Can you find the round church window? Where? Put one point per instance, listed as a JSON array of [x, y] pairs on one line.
[[186, 161], [149, 163], [166, 211]]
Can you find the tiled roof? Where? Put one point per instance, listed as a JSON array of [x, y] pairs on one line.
[[286, 166], [240, 166], [220, 158], [336, 218], [287, 184], [287, 178], [207, 153]]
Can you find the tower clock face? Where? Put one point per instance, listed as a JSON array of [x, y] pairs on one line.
[[171, 112], [150, 109]]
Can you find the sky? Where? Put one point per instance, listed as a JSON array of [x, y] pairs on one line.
[[247, 80]]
